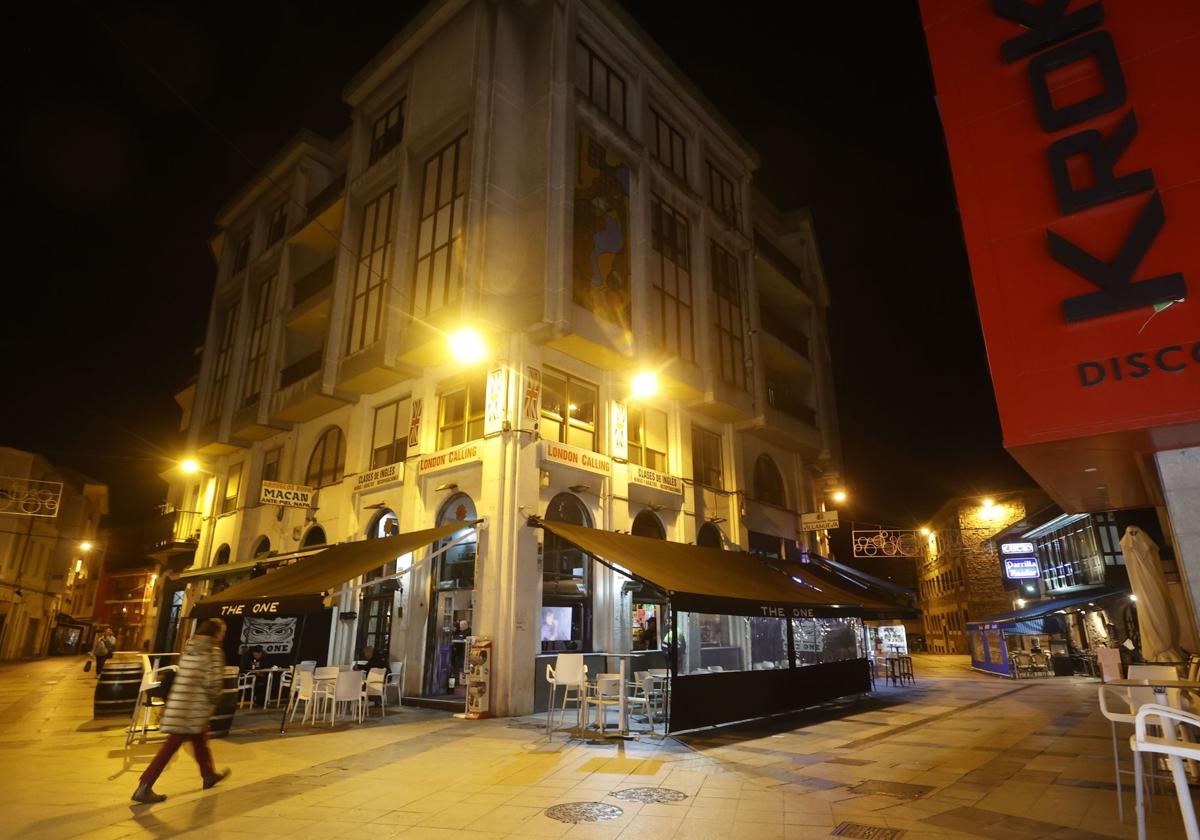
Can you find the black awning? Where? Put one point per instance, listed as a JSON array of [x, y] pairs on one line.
[[1046, 609], [303, 586]]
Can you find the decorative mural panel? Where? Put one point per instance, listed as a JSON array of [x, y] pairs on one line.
[[601, 240]]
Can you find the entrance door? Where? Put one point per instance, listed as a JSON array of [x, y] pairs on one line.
[[375, 618], [445, 652]]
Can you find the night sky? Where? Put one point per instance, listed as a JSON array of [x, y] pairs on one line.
[[116, 184]]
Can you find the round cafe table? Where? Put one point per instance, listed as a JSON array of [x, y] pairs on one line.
[[270, 674]]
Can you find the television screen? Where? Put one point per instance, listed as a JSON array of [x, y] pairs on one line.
[[556, 624]]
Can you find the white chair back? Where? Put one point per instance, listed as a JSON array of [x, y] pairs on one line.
[[304, 685], [327, 672], [608, 685], [569, 669], [396, 667], [1142, 696], [307, 665], [349, 686], [375, 678]]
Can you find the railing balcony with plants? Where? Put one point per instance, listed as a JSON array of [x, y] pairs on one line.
[[174, 527]]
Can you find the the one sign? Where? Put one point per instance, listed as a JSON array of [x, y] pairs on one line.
[[1023, 549], [29, 497], [275, 635], [380, 477], [652, 478], [1021, 568], [286, 495], [821, 521], [414, 427], [447, 458], [553, 452], [495, 401], [620, 430], [531, 400]]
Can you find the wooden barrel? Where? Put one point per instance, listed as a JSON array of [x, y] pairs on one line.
[[222, 716], [117, 688]]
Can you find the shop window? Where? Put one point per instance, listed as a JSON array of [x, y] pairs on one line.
[[387, 132], [372, 274], [460, 414], [566, 581], [821, 640], [568, 410], [731, 342], [671, 279], [706, 457], [389, 437], [440, 229], [233, 484], [600, 83], [314, 537], [456, 565], [768, 482], [709, 536], [327, 464], [648, 438], [719, 643]]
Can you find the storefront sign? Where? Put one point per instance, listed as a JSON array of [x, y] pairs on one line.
[[656, 480], [572, 456], [286, 495], [1021, 568], [620, 430], [380, 477], [454, 457], [275, 635], [531, 401], [821, 521], [1025, 549], [494, 404]]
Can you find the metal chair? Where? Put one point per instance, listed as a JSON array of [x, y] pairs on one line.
[[1176, 750], [1129, 701]]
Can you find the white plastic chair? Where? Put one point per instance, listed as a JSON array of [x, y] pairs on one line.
[[1176, 750], [395, 679], [569, 672], [605, 693], [1128, 700], [245, 690], [645, 694], [348, 689], [376, 686], [304, 690]]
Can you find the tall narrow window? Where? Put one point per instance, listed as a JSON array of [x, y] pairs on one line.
[[233, 485], [600, 83], [260, 331], [270, 468], [768, 482], [387, 132], [277, 225], [241, 253], [706, 457], [461, 415], [671, 278], [568, 410], [439, 274], [372, 274], [669, 146], [731, 344], [220, 377], [648, 437], [389, 440], [327, 464], [722, 197]]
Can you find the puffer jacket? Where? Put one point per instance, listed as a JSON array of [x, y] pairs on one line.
[[196, 689]]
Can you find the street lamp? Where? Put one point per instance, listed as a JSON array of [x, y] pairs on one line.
[[644, 384], [190, 466], [925, 532], [987, 503], [839, 496], [467, 346], [85, 546]]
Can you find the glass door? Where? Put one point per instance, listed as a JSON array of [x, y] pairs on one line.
[[446, 649]]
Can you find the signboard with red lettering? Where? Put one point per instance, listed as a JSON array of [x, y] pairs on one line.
[[1072, 138], [553, 452]]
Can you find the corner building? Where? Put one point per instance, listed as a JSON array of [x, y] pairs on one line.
[[540, 173]]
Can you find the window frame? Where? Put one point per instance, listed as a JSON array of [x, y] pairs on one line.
[[722, 195], [398, 448], [770, 473], [337, 470], [588, 85], [659, 123], [392, 134], [469, 417], [268, 461], [670, 272], [372, 273], [241, 253], [637, 438], [222, 363], [730, 320], [277, 224], [452, 213], [569, 424], [233, 475], [701, 471], [260, 342]]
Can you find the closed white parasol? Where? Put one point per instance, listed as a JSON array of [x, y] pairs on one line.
[[1157, 620]]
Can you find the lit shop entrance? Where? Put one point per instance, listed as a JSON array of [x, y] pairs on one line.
[[379, 599], [453, 585]]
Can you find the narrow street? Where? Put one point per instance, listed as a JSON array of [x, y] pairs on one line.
[[959, 755]]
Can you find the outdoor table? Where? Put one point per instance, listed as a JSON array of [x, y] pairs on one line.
[[622, 730], [270, 672]]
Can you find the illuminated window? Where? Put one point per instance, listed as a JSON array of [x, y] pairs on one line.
[[233, 484], [731, 345], [387, 132], [568, 410], [460, 414], [648, 437], [671, 279], [600, 83], [372, 273], [706, 457], [220, 378], [389, 438], [327, 463], [260, 331], [668, 146], [439, 273]]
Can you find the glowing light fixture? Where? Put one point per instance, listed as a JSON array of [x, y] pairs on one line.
[[1132, 597], [467, 346], [85, 546], [839, 496], [644, 384], [190, 466], [988, 503], [1020, 602], [925, 532]]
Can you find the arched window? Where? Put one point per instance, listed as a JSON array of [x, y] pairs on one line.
[[383, 524], [222, 556], [315, 536], [647, 524], [710, 536], [768, 483], [328, 460], [263, 546], [456, 566], [566, 581]]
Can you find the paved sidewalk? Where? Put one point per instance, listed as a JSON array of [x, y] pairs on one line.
[[960, 755]]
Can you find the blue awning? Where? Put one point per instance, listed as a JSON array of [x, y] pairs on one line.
[[1046, 608]]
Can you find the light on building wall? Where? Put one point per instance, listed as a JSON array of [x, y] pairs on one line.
[[153, 578], [987, 503], [839, 496], [1132, 597], [1020, 602], [190, 466], [925, 532], [85, 546], [644, 385], [467, 346], [78, 566]]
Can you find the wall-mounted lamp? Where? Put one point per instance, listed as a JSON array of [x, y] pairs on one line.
[[449, 485], [379, 505], [716, 520], [579, 488]]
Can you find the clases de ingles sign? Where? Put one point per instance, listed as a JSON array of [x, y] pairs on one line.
[[1072, 135]]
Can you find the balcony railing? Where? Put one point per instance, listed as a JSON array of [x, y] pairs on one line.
[[301, 368], [778, 326], [788, 400], [174, 527], [326, 196], [313, 283]]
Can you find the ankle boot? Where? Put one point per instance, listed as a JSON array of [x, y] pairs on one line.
[[146, 795], [209, 781]]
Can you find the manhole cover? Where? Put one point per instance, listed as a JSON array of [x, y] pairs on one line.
[[867, 832], [583, 812], [650, 794], [898, 789]]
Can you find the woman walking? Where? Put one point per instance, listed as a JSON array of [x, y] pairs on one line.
[[194, 695]]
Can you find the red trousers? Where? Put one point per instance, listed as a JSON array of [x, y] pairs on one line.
[[168, 749]]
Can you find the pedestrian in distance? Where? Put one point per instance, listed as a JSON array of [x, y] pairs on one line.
[[101, 652], [194, 695]]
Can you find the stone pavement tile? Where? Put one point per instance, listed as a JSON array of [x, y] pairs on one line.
[[397, 818], [812, 818], [462, 815], [542, 826], [643, 827], [722, 815], [693, 828], [594, 831]]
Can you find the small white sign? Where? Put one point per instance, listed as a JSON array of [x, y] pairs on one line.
[[380, 477], [572, 456], [286, 495], [651, 478], [1024, 549], [1021, 568], [453, 457], [821, 521]]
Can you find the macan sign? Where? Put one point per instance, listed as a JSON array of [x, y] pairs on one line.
[[1072, 138]]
